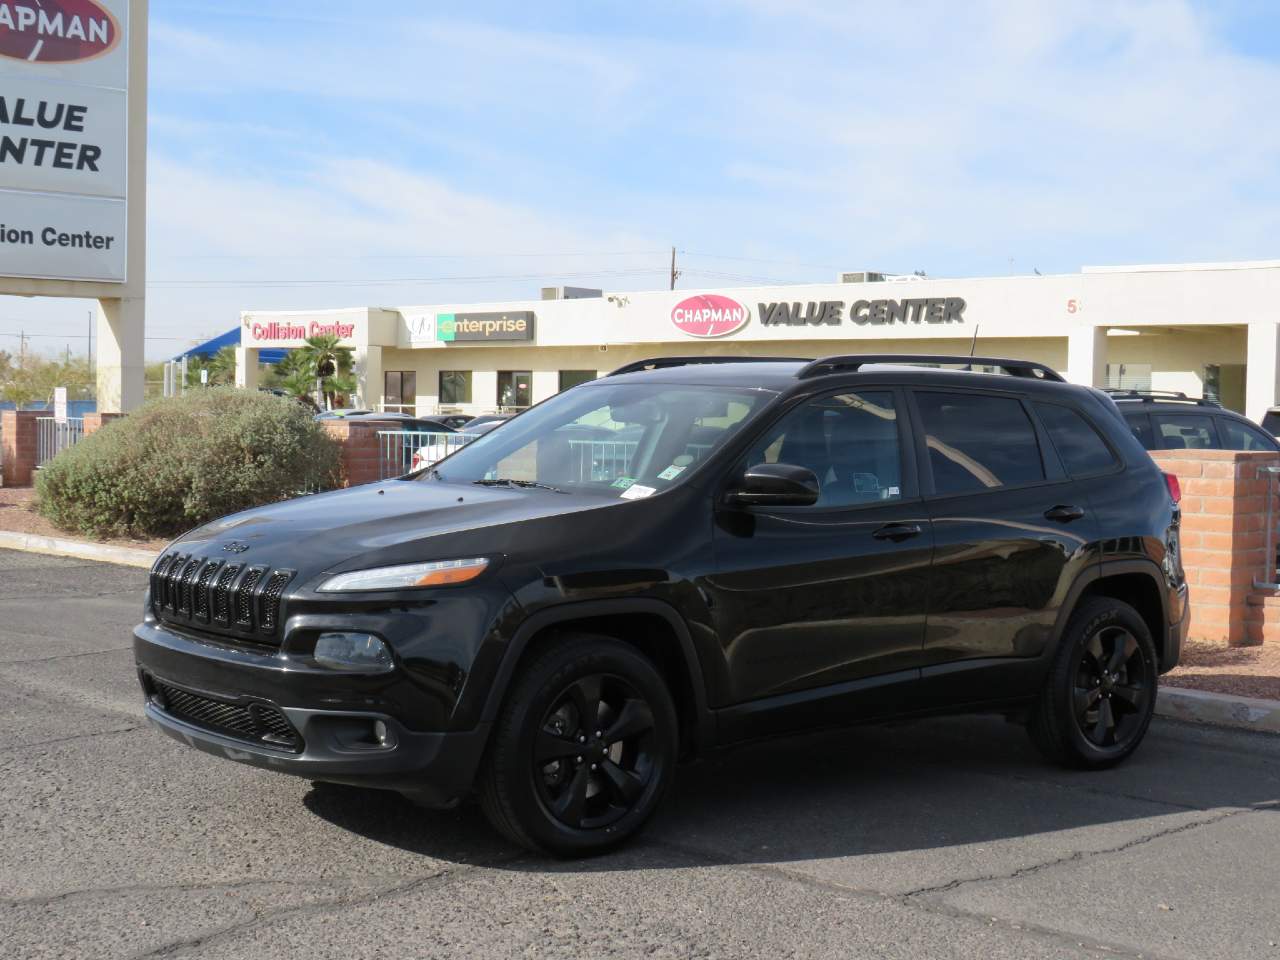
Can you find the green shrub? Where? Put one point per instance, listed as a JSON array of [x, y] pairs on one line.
[[180, 462]]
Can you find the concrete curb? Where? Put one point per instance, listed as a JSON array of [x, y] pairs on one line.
[[80, 549], [1197, 706]]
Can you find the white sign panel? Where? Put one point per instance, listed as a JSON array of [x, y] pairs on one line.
[[60, 404], [64, 72], [61, 236]]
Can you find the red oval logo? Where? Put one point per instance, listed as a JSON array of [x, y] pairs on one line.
[[709, 315], [56, 31]]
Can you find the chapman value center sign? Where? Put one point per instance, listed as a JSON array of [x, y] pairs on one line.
[[708, 315], [64, 108]]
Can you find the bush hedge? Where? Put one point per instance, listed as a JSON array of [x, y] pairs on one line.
[[183, 461]]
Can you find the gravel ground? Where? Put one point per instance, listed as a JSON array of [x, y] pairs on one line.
[[940, 838], [17, 516], [1217, 668]]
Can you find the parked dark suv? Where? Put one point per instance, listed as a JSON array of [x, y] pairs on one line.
[[1174, 421], [689, 553]]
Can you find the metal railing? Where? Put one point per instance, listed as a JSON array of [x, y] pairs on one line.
[[397, 448], [53, 437], [1271, 566]]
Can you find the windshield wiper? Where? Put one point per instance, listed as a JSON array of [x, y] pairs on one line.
[[508, 482]]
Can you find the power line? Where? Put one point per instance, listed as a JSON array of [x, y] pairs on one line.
[[396, 281], [779, 263]]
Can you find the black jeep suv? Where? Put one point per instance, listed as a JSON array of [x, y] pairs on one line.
[[689, 553]]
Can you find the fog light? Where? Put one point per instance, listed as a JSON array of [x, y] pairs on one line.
[[380, 732], [361, 652]]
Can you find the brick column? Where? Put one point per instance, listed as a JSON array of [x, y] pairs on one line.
[[18, 455], [1224, 517], [93, 422], [361, 448]]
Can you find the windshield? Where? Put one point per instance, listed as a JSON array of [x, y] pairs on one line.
[[624, 440]]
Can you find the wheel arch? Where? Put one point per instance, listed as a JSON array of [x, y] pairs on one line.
[[653, 627], [1135, 582]]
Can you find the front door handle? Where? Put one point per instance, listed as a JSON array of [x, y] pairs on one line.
[[898, 531], [1064, 513]]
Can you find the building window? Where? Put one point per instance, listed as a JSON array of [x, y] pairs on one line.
[[1128, 376], [515, 388], [400, 392], [455, 386], [571, 378]]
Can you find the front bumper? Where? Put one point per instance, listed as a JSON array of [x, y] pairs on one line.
[[332, 716]]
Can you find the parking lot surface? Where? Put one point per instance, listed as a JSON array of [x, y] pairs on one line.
[[938, 838]]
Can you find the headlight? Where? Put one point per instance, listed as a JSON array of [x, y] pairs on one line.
[[439, 573]]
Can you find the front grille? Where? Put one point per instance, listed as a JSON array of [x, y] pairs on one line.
[[228, 597], [259, 723]]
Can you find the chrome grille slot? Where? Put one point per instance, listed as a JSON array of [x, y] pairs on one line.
[[222, 594], [269, 610], [200, 595]]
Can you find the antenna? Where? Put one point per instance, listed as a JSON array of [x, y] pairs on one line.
[[973, 346]]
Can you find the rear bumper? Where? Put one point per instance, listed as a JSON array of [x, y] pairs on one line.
[[1176, 635], [334, 717]]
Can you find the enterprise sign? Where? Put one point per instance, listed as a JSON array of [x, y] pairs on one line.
[[831, 313], [484, 327]]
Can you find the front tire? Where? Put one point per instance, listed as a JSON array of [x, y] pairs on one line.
[[1100, 694], [583, 750]]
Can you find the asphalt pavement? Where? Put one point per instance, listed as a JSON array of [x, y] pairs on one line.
[[939, 838]]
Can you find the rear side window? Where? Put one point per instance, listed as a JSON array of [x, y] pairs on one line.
[[1141, 427], [1179, 432], [1082, 449], [1243, 436], [978, 443]]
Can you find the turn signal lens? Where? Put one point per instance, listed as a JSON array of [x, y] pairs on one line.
[[439, 573], [1175, 488]]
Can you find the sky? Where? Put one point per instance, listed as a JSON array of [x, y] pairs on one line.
[[323, 154]]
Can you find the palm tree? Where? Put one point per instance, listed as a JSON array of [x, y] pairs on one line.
[[329, 364]]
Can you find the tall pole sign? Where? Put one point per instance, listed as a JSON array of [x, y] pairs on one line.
[[64, 123]]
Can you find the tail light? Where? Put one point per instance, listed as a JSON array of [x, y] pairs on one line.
[[1175, 488]]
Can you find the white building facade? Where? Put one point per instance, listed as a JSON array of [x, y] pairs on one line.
[[1203, 329]]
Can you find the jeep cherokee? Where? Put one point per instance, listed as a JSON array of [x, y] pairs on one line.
[[685, 554]]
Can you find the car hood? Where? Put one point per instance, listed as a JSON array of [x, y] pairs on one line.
[[381, 522]]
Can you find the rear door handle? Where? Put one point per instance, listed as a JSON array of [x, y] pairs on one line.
[[898, 531], [1064, 513]]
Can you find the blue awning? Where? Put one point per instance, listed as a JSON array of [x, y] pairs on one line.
[[229, 339]]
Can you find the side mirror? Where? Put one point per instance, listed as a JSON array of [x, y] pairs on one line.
[[776, 485]]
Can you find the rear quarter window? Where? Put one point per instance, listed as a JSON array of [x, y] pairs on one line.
[[1083, 451], [978, 442]]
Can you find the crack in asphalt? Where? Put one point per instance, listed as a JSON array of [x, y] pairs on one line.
[[1075, 856], [65, 656], [445, 877], [128, 888], [28, 747]]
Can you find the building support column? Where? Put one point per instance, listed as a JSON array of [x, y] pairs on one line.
[[247, 368], [1262, 371], [369, 381], [121, 354], [1087, 356]]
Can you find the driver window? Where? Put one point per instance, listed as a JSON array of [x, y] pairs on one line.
[[849, 441]]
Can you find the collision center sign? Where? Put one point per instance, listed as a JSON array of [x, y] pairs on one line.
[[64, 112]]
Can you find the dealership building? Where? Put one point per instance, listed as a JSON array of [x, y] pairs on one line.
[[1208, 329]]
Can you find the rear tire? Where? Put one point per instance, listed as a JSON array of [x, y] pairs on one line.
[[583, 751], [1099, 697]]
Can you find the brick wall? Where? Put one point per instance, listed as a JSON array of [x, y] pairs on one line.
[[361, 449], [1224, 518], [93, 421], [18, 455]]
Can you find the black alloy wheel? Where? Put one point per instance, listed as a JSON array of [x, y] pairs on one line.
[[593, 756], [1099, 697], [1111, 689], [583, 749]]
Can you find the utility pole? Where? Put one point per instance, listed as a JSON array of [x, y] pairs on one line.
[[22, 347], [674, 272], [91, 340]]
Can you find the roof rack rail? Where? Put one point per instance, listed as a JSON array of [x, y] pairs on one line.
[[661, 363], [854, 362], [1159, 396]]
